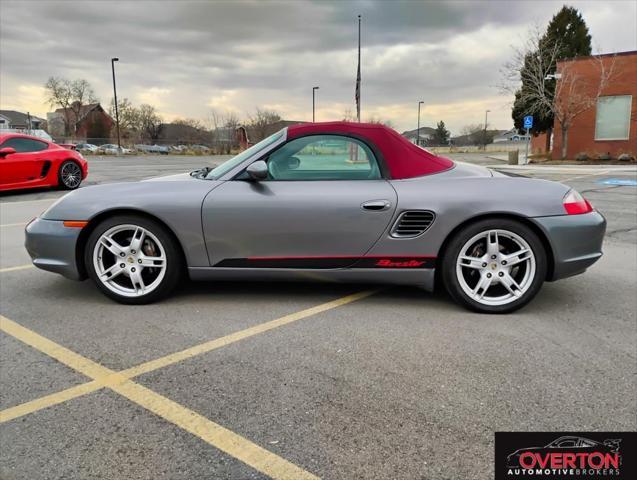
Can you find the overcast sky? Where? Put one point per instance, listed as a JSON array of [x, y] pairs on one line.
[[189, 57]]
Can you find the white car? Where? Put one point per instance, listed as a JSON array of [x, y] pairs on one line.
[[112, 149], [86, 147]]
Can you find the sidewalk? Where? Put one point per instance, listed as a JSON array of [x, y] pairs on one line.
[[584, 169]]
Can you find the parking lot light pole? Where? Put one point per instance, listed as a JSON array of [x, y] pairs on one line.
[[119, 145], [486, 116], [418, 129], [314, 89]]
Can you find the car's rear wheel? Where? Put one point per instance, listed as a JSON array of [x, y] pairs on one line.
[[69, 175], [494, 266], [133, 260]]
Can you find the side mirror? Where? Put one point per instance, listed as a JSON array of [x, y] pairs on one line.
[[6, 151], [258, 170]]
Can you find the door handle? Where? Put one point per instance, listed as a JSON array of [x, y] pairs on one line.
[[375, 205]]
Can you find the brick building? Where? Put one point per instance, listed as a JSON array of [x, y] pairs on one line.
[[609, 126], [92, 124]]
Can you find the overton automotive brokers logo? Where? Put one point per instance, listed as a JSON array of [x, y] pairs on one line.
[[566, 455]]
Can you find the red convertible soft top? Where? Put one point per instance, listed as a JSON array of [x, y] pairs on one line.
[[403, 158]]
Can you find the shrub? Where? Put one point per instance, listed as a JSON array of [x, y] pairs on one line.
[[582, 156], [626, 157], [603, 156]]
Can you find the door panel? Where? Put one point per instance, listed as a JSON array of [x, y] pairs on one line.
[[24, 167], [295, 219]]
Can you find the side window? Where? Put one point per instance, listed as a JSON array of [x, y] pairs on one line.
[[24, 145], [567, 443], [323, 157]]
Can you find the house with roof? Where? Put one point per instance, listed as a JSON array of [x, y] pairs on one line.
[[510, 136], [88, 122], [425, 133], [18, 121]]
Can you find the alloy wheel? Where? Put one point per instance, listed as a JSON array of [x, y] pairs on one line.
[[129, 260], [71, 175], [496, 267]]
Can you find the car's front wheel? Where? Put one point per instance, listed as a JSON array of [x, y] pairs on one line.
[[494, 266], [133, 260]]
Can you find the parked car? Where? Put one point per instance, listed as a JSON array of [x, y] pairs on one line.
[[375, 209], [29, 162], [152, 149], [86, 147], [200, 148], [112, 149]]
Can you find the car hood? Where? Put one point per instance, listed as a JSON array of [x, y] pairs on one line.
[[171, 178], [159, 199]]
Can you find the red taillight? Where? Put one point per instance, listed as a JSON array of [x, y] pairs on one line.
[[575, 204]]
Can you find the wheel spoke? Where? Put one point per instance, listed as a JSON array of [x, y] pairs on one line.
[[517, 257], [481, 287], [152, 261], [111, 272], [511, 285], [111, 245], [138, 282], [493, 245], [138, 239], [471, 262]]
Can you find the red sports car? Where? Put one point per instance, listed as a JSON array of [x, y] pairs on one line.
[[31, 162]]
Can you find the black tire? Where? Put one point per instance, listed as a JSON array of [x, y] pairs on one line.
[[64, 181], [452, 251], [175, 263]]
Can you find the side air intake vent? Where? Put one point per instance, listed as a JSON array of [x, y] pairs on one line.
[[412, 223]]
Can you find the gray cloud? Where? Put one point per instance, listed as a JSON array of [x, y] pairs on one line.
[[265, 52]]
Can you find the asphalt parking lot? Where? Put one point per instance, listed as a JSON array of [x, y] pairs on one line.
[[256, 380]]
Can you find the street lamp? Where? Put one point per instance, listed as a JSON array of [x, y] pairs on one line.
[[418, 129], [119, 145], [486, 115], [314, 89]]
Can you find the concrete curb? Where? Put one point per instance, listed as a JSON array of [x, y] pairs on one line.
[[593, 169]]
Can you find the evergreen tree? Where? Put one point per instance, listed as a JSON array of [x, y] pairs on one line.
[[441, 135], [568, 29]]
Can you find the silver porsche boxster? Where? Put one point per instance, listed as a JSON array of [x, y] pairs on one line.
[[340, 201]]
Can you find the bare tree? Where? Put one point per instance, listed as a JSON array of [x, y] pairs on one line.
[[189, 122], [149, 121], [380, 121], [348, 116], [129, 118], [260, 121], [70, 96], [573, 94]]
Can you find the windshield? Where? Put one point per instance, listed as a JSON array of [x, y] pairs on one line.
[[225, 167]]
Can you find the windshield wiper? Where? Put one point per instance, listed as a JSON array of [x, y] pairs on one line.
[[200, 172]]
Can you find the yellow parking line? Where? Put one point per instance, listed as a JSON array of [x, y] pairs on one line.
[[240, 335], [212, 433], [21, 224], [111, 379], [47, 401], [13, 269]]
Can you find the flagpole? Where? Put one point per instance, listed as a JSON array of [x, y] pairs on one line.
[[358, 79]]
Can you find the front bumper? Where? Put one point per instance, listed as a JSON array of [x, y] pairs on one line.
[[576, 241], [52, 247]]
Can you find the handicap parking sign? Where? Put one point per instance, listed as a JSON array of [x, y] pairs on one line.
[[528, 121]]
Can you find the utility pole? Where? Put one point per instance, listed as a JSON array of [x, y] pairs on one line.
[[486, 114], [358, 75], [418, 129], [119, 144], [314, 89]]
